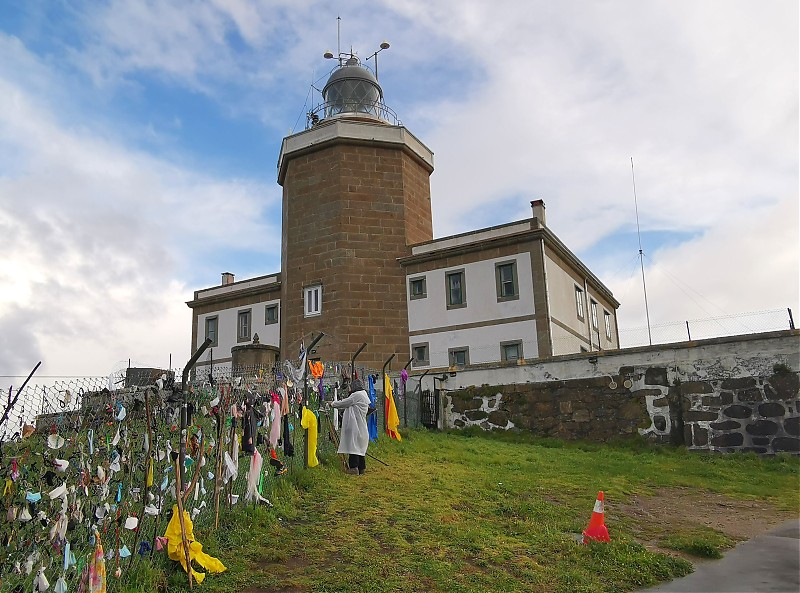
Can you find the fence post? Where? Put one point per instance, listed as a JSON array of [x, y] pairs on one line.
[[689, 333], [353, 360], [419, 399], [11, 403], [383, 378], [305, 395], [184, 409], [791, 320], [405, 395]]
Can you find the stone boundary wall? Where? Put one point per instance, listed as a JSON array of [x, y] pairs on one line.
[[724, 394]]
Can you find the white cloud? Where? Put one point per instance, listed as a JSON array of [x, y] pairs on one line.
[[571, 94], [95, 235], [748, 263]]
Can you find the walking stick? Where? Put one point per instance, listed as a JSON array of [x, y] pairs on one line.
[[336, 441], [179, 498], [335, 438], [376, 459]]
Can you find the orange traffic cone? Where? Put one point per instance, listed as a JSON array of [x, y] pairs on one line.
[[597, 530]]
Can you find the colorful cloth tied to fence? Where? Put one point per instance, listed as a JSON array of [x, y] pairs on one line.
[[392, 419], [372, 419], [176, 552], [309, 422], [97, 568]]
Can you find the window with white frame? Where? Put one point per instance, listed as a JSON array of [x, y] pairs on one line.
[[607, 322], [456, 288], [312, 299], [593, 305], [579, 301], [270, 314], [211, 330], [243, 325]]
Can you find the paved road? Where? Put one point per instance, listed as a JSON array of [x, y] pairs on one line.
[[769, 563]]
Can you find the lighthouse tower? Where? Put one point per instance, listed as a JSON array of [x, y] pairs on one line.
[[356, 195]]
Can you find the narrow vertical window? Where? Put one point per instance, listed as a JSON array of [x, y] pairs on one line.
[[594, 314], [313, 300], [579, 301], [211, 330], [243, 325], [456, 289], [607, 322], [506, 281]]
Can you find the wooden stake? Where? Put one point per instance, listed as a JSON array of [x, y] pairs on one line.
[[217, 477]]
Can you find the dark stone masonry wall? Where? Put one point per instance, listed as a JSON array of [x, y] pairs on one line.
[[757, 414], [576, 409], [760, 414]]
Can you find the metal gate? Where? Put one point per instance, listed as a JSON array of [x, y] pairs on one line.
[[429, 409]]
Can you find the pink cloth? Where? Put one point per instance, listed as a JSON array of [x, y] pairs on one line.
[[275, 427]]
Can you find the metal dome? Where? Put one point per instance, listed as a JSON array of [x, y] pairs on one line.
[[352, 89]]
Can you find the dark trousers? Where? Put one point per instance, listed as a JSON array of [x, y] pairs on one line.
[[276, 464], [357, 462]]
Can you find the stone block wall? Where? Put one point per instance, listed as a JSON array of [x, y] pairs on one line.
[[725, 394], [759, 414], [585, 409], [349, 212]]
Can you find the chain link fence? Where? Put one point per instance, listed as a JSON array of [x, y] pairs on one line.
[[77, 455]]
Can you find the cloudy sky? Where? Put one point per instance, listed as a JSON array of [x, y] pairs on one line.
[[139, 141]]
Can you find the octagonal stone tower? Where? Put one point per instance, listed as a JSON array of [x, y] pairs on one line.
[[356, 194]]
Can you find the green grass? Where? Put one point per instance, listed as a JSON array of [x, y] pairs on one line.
[[467, 512], [700, 542]]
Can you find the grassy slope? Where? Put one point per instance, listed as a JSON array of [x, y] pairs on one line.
[[467, 513]]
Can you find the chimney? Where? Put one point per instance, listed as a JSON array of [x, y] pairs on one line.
[[538, 211], [227, 277]]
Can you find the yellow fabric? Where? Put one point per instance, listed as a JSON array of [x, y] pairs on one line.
[[176, 552], [149, 472], [97, 567], [392, 419], [309, 422]]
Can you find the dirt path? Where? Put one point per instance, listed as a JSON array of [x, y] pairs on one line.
[[676, 509]]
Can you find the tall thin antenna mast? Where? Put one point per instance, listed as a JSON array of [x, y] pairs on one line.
[[339, 38], [641, 255]]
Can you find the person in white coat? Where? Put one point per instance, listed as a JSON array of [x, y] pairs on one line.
[[354, 437]]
